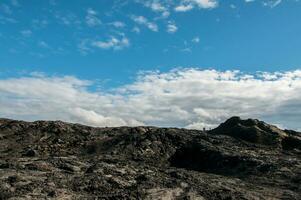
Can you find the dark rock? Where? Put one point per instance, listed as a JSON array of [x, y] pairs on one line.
[[4, 193], [291, 142], [199, 158], [241, 159], [251, 130], [51, 194], [4, 164], [30, 153], [12, 179]]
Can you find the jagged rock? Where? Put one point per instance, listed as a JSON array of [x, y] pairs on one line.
[[30, 153], [291, 142], [241, 159], [251, 130]]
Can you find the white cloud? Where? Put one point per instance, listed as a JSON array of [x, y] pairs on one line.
[[117, 42], [157, 6], [96, 119], [165, 14], [172, 27], [186, 5], [164, 6], [190, 98], [140, 19], [204, 3], [118, 24], [152, 26], [183, 8], [112, 43], [144, 21], [92, 18]]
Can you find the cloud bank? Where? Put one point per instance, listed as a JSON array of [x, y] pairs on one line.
[[191, 98]]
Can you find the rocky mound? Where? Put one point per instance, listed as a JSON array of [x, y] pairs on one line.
[[258, 132], [241, 159]]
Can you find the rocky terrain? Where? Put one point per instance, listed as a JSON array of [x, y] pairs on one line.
[[241, 159]]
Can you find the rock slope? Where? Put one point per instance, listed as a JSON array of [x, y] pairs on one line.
[[240, 159]]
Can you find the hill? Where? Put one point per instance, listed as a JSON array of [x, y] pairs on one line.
[[240, 159]]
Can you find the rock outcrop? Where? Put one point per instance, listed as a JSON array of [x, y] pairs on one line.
[[241, 159], [258, 132]]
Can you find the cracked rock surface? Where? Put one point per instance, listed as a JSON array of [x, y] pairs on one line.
[[240, 159]]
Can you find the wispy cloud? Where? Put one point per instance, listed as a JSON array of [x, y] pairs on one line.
[[195, 39], [171, 27], [15, 3], [186, 5], [6, 9], [92, 18], [144, 21], [272, 3], [84, 46], [117, 24], [43, 44], [112, 43], [5, 19], [164, 6], [183, 8], [136, 29], [192, 98], [39, 23], [26, 33], [67, 18], [158, 7], [268, 3], [204, 3]]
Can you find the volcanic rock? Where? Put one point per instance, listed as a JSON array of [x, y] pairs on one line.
[[240, 159]]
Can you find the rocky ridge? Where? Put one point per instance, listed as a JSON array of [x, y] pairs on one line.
[[240, 159]]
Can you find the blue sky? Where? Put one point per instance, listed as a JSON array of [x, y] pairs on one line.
[[55, 37], [108, 46]]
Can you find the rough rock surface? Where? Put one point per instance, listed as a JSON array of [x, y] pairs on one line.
[[241, 159]]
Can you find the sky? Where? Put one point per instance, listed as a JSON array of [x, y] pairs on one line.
[[179, 63]]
